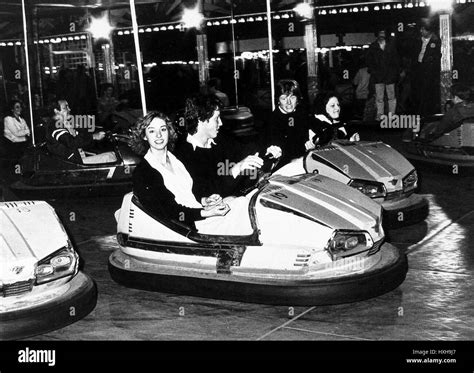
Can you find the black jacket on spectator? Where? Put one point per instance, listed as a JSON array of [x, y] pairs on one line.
[[426, 83], [289, 131], [150, 189], [61, 143], [383, 64], [210, 168]]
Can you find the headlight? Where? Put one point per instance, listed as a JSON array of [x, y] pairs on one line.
[[410, 182], [61, 263], [372, 189], [345, 243]]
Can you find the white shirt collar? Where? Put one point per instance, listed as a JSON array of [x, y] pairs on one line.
[[196, 144]]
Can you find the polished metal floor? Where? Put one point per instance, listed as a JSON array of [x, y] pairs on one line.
[[434, 303]]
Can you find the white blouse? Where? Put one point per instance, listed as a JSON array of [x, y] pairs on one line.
[[177, 180], [15, 129]]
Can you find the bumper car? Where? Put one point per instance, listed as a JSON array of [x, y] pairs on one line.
[[315, 241], [378, 171], [40, 284], [47, 173], [455, 148]]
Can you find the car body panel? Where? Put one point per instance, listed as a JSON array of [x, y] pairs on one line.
[[362, 160]]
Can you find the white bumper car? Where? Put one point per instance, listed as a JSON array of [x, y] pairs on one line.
[[378, 171], [315, 241], [40, 285]]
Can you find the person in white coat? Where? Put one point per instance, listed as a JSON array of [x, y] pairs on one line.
[[16, 130]]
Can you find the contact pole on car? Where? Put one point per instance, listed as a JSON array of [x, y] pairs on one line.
[[138, 55], [270, 52], [28, 80]]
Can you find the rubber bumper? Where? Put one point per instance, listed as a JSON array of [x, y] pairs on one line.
[[56, 314], [409, 211], [387, 275]]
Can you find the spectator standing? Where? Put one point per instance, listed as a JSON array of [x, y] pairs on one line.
[[426, 85], [383, 66]]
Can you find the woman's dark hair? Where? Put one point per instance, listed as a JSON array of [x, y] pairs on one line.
[[462, 91], [199, 108], [13, 103], [288, 87], [137, 141], [322, 100]]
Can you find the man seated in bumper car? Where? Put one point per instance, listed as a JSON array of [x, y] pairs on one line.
[[463, 108], [68, 142], [217, 163], [163, 185]]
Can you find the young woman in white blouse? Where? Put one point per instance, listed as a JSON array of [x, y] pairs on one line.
[[15, 130], [164, 186]]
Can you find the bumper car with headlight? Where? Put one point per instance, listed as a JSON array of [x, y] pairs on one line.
[[40, 285], [314, 241], [378, 171]]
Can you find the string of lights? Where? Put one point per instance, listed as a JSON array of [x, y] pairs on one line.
[[248, 18]]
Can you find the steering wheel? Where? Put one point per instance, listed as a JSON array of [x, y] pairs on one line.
[[263, 173]]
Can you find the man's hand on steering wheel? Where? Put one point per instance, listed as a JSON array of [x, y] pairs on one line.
[[250, 162]]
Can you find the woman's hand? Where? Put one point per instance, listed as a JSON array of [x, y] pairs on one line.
[[217, 210], [211, 201]]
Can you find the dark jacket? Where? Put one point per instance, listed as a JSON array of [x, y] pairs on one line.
[[383, 64], [61, 143], [430, 65], [326, 132], [289, 132], [210, 168], [150, 189]]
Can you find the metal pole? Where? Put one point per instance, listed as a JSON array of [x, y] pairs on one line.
[[28, 72], [270, 50], [138, 55], [446, 58], [236, 75]]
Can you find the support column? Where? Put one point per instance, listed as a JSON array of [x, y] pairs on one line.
[[311, 43], [446, 75], [201, 46]]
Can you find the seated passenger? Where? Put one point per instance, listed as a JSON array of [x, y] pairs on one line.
[[328, 126], [289, 123], [324, 128], [463, 108], [68, 143], [217, 163], [164, 186]]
